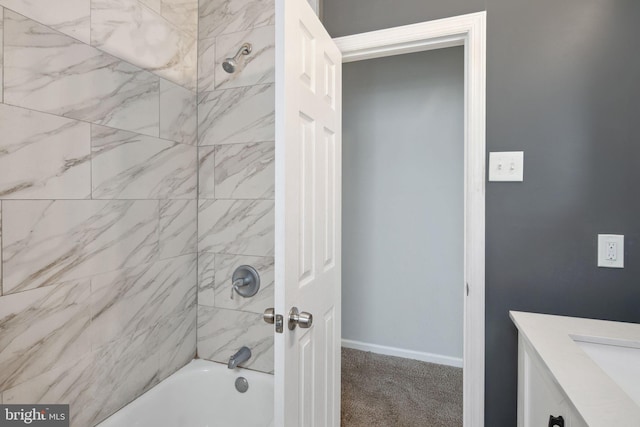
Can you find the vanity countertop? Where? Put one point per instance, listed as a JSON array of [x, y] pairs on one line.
[[599, 399]]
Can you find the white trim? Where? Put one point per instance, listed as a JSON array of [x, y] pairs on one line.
[[315, 5], [470, 31], [401, 352]]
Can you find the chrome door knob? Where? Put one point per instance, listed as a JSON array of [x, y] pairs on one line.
[[269, 315], [302, 319]]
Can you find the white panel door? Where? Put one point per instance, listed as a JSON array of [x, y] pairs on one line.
[[308, 217]]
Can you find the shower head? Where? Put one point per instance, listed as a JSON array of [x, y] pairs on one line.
[[230, 64]]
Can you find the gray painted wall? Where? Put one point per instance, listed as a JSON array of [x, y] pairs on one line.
[[403, 201], [562, 86]]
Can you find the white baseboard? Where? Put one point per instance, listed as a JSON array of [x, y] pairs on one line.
[[407, 354]]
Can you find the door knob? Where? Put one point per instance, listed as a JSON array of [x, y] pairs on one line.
[[302, 319], [269, 315]]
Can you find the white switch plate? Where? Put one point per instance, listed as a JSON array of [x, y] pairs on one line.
[[506, 166], [611, 250]]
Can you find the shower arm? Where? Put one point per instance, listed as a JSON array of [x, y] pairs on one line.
[[245, 49]]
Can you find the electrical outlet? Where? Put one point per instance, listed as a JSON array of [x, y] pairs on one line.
[[611, 250]]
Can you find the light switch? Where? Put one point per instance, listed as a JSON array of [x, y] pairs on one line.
[[506, 166], [611, 250]]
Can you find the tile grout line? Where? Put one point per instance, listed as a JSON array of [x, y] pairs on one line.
[[227, 89], [1, 220], [3, 58], [67, 282], [249, 29], [1, 254], [197, 140], [88, 199], [91, 161]]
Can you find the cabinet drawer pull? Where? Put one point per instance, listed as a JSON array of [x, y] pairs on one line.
[[556, 421]]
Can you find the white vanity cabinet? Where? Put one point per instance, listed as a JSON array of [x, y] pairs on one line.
[[586, 371], [539, 396]]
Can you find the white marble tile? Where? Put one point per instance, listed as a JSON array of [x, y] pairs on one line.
[[155, 5], [236, 227], [102, 381], [245, 171], [1, 275], [222, 332], [234, 116], [50, 72], [127, 368], [178, 113], [126, 165], [183, 14], [237, 171], [123, 370], [206, 64], [226, 16], [43, 156], [133, 32], [224, 268], [70, 384], [1, 53], [126, 302], [47, 242], [176, 338], [256, 68], [42, 329], [206, 279], [206, 180], [178, 231], [70, 17]]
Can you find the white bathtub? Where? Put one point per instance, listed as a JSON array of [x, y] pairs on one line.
[[201, 394]]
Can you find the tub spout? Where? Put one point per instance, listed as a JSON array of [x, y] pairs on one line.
[[241, 356]]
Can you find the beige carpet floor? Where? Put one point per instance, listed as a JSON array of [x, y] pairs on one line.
[[390, 391]]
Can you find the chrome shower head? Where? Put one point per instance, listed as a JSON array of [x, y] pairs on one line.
[[231, 64]]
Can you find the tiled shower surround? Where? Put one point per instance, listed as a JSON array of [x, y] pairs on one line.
[[236, 131], [98, 200], [135, 176]]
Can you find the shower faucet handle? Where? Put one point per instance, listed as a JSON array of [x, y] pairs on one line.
[[245, 281], [238, 283]]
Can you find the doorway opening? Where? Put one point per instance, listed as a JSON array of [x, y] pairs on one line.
[[403, 239], [468, 31]]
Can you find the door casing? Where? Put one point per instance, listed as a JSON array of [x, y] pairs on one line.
[[468, 31]]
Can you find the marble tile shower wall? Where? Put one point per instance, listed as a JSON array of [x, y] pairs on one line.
[[236, 177], [98, 200], [158, 35]]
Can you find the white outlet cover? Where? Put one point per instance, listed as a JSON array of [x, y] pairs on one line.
[[603, 241], [506, 166]]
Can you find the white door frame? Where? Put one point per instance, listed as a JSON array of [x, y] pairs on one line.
[[468, 31]]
